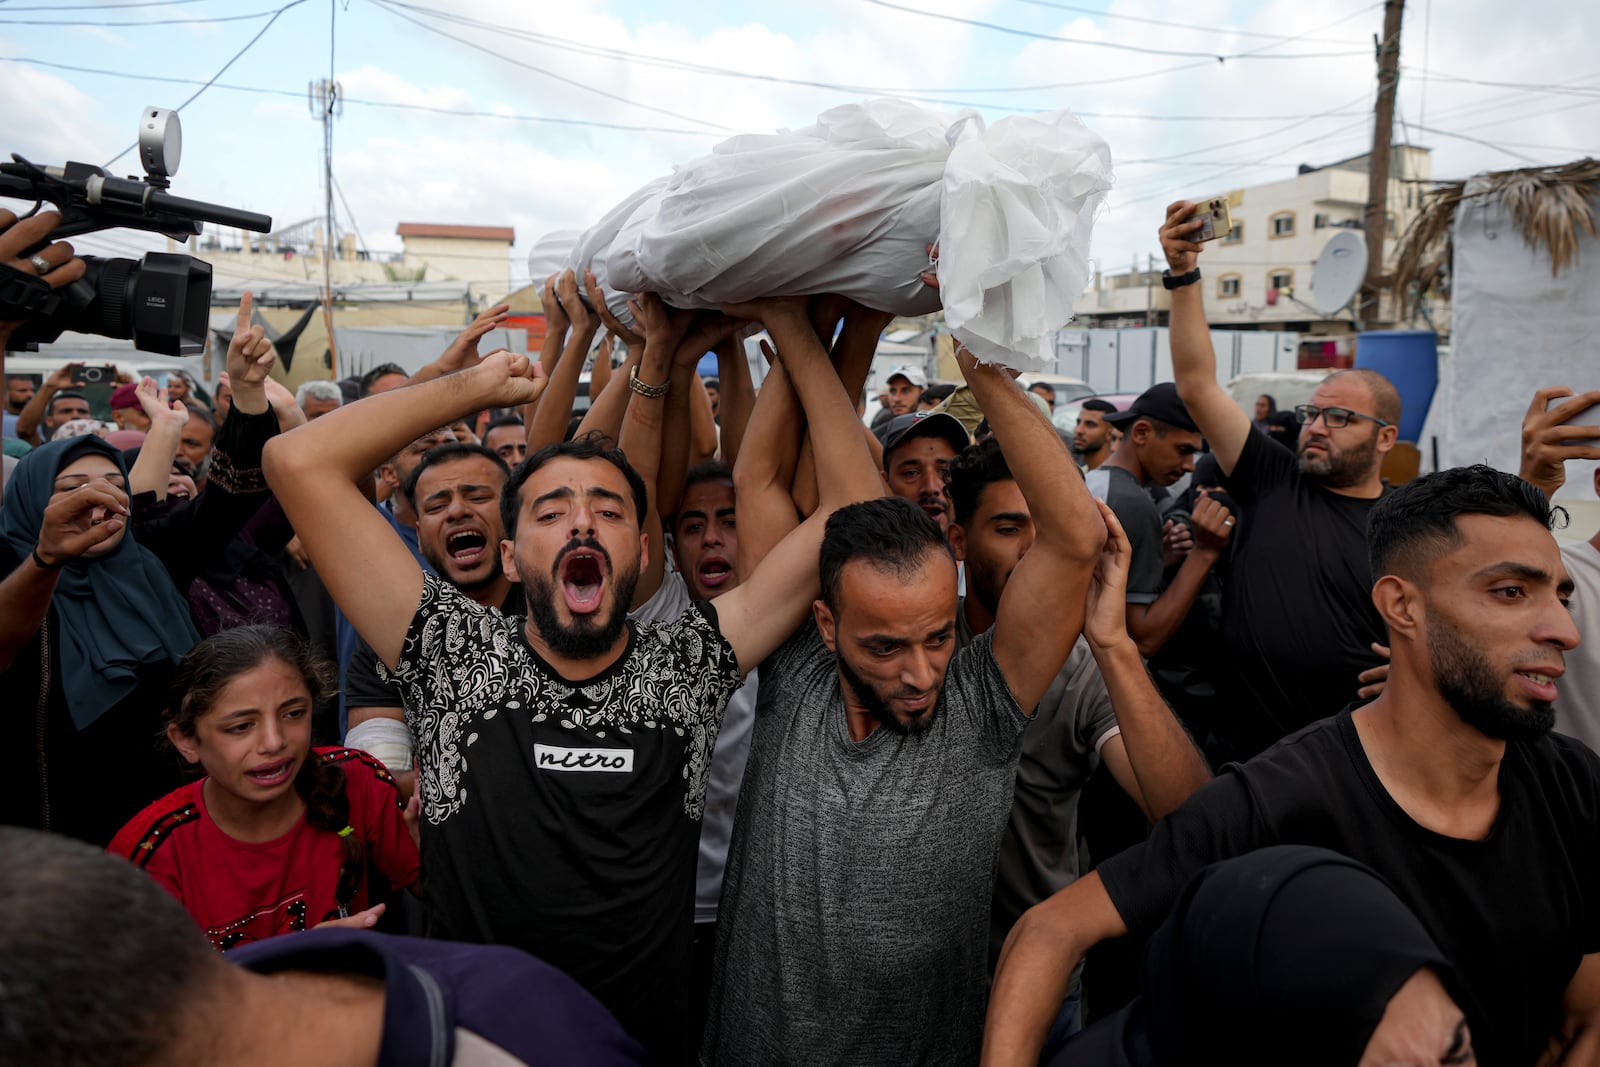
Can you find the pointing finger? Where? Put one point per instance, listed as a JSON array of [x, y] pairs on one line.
[[246, 303]]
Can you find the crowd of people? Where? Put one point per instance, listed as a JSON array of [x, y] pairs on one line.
[[430, 717]]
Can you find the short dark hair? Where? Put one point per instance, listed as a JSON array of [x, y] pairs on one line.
[[444, 454], [711, 381], [592, 445], [88, 945], [198, 410], [1411, 527], [512, 419], [64, 394], [891, 533], [1046, 386], [973, 471], [380, 371], [936, 393], [1105, 407]]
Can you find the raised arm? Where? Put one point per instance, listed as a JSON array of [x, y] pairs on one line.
[[1035, 968], [1152, 757], [1194, 362], [554, 410], [761, 480], [555, 326], [1152, 625], [738, 396], [1041, 611], [772, 600], [852, 355], [463, 351], [643, 425], [167, 420], [609, 392], [1547, 443], [33, 412], [370, 573]]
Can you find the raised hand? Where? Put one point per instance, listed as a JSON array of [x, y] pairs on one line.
[[555, 317], [707, 329], [516, 379], [69, 376], [250, 354], [597, 299], [1106, 621], [1177, 540], [663, 327], [578, 314], [1182, 252], [153, 399], [1547, 444], [463, 351], [770, 309], [77, 520]]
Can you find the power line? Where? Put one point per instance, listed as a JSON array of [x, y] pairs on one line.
[[128, 25], [460, 112], [547, 73], [1219, 30], [103, 7], [1117, 45], [247, 46], [1557, 88]]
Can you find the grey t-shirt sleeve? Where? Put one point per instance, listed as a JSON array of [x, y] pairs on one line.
[[1092, 714], [975, 686]]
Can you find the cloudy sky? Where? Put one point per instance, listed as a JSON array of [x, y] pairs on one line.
[[542, 115]]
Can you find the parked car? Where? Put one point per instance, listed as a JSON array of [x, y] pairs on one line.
[[1066, 389]]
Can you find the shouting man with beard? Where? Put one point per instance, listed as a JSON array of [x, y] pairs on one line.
[[1449, 785], [563, 757], [1297, 620], [855, 907]]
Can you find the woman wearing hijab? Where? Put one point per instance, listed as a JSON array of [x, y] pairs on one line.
[[91, 631], [1287, 955]]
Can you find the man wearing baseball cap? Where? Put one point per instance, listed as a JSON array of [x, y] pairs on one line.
[[902, 387], [126, 409], [917, 450], [1159, 443]]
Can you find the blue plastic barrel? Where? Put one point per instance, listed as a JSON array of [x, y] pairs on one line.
[[1409, 359]]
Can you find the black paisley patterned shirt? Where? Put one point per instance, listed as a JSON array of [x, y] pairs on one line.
[[559, 816]]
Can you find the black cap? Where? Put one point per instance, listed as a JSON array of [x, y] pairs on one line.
[[1160, 402], [939, 424]]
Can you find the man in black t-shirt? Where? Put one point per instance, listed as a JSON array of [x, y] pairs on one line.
[[1449, 785], [564, 755], [1297, 622], [454, 491]]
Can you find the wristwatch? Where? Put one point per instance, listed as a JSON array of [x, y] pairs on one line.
[[1178, 281]]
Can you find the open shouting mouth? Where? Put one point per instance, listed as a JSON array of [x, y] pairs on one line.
[[583, 580]]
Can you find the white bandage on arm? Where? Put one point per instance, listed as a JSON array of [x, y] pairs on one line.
[[386, 740]]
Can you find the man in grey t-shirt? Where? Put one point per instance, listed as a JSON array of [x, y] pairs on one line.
[[854, 923], [1143, 745]]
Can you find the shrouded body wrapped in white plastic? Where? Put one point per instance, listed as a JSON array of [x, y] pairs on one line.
[[590, 251], [850, 205], [1018, 207], [550, 253]]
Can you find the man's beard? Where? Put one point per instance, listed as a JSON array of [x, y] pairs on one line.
[[583, 638], [875, 703], [1343, 468], [1468, 684]]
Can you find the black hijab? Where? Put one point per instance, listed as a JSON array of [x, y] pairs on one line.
[[114, 613]]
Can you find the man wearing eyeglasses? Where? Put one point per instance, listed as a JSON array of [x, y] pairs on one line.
[[1298, 621]]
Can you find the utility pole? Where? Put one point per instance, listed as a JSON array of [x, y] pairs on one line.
[[1377, 217], [326, 99]]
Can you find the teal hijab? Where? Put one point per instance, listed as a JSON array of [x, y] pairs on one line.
[[115, 613]]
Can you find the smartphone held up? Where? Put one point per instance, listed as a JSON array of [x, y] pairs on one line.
[[1215, 220]]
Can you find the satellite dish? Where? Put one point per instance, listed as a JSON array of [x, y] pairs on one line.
[[1338, 272]]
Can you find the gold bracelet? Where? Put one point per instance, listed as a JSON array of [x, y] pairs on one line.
[[650, 392]]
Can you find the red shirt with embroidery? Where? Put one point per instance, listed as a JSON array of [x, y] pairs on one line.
[[241, 891]]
